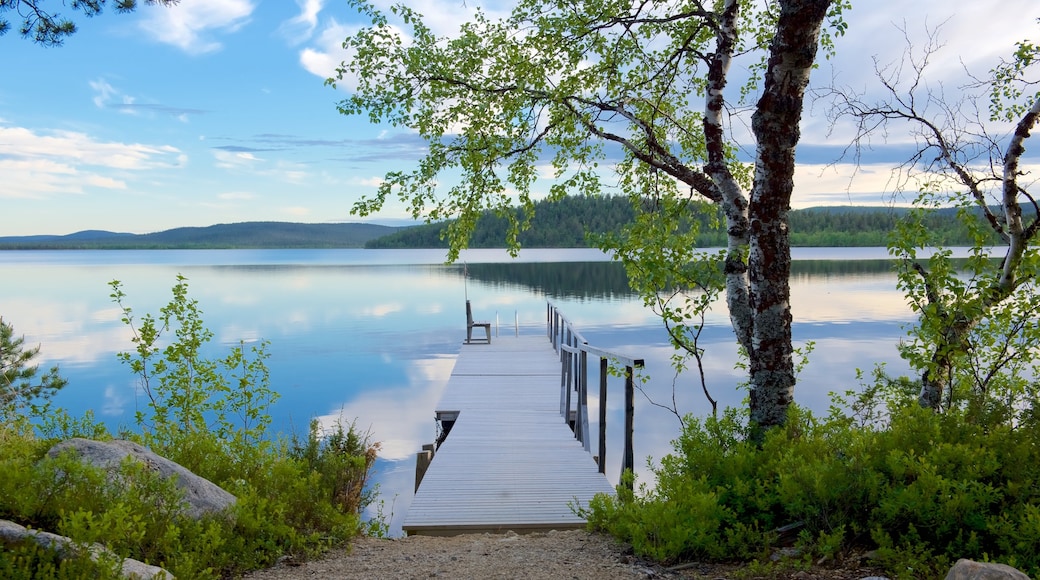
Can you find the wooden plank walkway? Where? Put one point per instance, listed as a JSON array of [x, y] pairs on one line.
[[510, 462]]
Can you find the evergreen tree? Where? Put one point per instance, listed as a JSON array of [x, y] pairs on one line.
[[51, 28], [19, 384]]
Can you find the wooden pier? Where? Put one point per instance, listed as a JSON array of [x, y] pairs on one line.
[[509, 460]]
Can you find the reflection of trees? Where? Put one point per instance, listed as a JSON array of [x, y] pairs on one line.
[[606, 280], [587, 280], [826, 268]]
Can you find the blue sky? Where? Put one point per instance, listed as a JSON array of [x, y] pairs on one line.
[[214, 111]]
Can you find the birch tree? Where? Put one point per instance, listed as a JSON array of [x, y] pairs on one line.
[[633, 97], [976, 333]]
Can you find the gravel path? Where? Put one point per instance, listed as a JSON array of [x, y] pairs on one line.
[[539, 556], [551, 555]]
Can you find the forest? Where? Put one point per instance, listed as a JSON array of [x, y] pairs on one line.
[[564, 224]]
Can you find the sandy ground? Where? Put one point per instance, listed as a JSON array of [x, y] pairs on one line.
[[550, 556]]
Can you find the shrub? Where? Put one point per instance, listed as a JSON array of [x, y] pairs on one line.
[[295, 498], [921, 490]]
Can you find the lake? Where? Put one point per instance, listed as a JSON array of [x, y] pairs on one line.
[[372, 335]]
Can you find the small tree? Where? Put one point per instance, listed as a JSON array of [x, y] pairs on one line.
[[191, 397], [19, 384], [977, 329], [50, 28]]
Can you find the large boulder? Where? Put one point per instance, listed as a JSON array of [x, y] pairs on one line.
[[12, 533], [970, 570], [201, 496]]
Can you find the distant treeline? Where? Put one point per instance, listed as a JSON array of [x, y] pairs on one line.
[[556, 225], [563, 224]]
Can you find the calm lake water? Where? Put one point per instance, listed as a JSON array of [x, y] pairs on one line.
[[372, 335]]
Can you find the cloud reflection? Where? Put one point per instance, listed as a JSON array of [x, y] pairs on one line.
[[399, 417]]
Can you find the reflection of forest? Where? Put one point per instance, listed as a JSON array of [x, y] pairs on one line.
[[827, 268], [593, 280], [606, 280]]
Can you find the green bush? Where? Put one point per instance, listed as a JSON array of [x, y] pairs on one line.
[[295, 498], [921, 490], [29, 561]]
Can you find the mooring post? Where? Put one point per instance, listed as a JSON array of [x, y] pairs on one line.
[[567, 377], [603, 415], [630, 411], [422, 463], [583, 398]]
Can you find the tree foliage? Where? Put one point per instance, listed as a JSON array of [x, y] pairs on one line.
[[191, 396], [48, 27], [976, 325], [20, 382], [629, 96]]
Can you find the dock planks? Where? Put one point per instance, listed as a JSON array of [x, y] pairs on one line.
[[510, 461]]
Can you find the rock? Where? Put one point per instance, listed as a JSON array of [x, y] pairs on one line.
[[201, 496], [970, 570], [11, 533], [785, 553]]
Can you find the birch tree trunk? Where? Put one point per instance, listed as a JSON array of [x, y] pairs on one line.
[[776, 127]]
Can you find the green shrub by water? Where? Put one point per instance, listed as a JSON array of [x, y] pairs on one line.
[[921, 489], [296, 496]]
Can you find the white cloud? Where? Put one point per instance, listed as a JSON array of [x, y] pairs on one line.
[[189, 25], [104, 92], [975, 35], [322, 59], [292, 175], [297, 211], [105, 182], [235, 159], [369, 181], [843, 184], [40, 163], [301, 27]]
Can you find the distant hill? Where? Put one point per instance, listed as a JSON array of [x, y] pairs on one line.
[[561, 224], [246, 235]]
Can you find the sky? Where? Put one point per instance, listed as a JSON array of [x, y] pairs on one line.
[[216, 111]]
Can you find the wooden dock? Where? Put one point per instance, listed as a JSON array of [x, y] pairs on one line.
[[510, 461]]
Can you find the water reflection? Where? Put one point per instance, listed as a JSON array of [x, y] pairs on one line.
[[373, 335], [584, 280]]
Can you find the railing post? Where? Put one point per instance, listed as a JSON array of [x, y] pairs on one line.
[[569, 375], [603, 415], [629, 458], [576, 374], [583, 398], [574, 352], [564, 400]]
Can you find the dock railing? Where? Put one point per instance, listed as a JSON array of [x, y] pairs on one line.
[[574, 353]]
